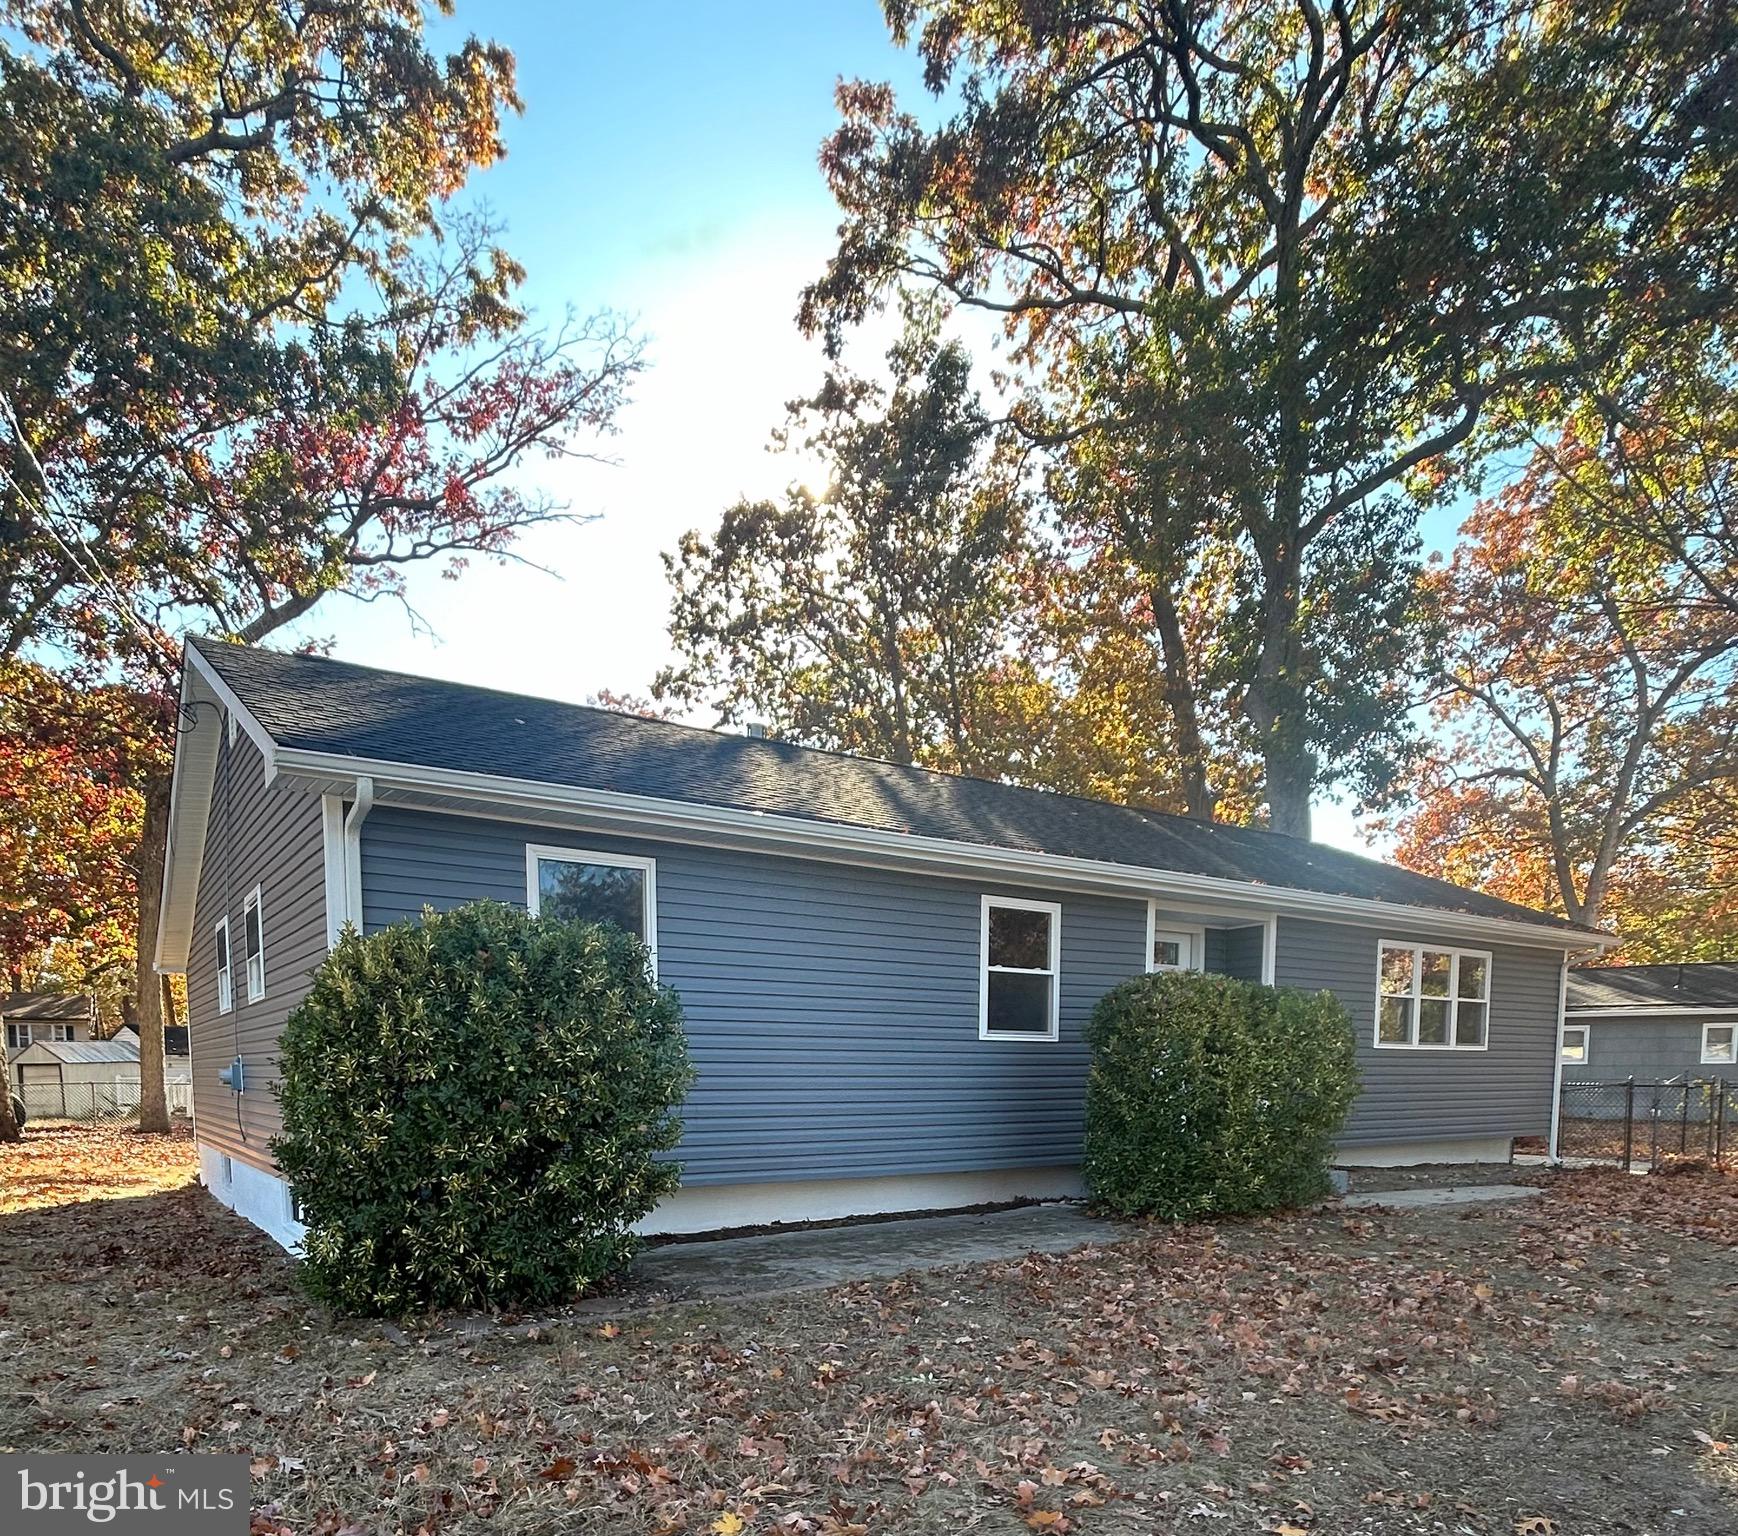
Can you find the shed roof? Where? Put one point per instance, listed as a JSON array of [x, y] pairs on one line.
[[84, 1052]]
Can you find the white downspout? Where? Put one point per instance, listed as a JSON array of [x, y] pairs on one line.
[[1557, 1052], [359, 810]]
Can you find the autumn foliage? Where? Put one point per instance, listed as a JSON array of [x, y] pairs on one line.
[[472, 1108], [1212, 1096]]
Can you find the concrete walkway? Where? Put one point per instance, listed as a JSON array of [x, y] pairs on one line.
[[804, 1259], [1425, 1199], [813, 1258]]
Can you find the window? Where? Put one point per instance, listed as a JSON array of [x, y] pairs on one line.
[[1719, 1045], [589, 887], [17, 1036], [1574, 1046], [1017, 997], [60, 1032], [254, 946], [226, 1169], [225, 978], [1432, 999], [1173, 949]]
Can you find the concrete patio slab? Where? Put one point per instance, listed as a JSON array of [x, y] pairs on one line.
[[814, 1258], [1418, 1199]]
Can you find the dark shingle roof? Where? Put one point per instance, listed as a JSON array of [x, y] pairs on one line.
[[1706, 984], [43, 1006], [317, 704]]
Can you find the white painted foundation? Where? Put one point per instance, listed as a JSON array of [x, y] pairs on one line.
[[263, 1198], [713, 1207], [1407, 1154]]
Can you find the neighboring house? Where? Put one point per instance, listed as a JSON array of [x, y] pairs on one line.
[[50, 1016], [1652, 1023], [885, 971]]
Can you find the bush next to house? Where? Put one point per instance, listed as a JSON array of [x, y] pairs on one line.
[[1211, 1096], [472, 1108]]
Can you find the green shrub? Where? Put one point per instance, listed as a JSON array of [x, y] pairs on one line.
[[471, 1108], [1213, 1096]]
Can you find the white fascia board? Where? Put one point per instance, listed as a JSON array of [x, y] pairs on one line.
[[197, 734], [667, 820], [1646, 1011], [238, 711]]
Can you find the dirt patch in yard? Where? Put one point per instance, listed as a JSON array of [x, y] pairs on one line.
[[1570, 1361]]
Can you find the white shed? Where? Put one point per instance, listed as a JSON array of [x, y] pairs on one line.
[[89, 1079]]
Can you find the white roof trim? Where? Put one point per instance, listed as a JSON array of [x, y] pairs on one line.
[[844, 842], [1653, 1011], [197, 743]]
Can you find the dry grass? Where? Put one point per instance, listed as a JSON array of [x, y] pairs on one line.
[[1569, 1361]]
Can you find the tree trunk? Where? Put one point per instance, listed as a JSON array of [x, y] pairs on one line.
[[148, 988], [1198, 796], [8, 1124]]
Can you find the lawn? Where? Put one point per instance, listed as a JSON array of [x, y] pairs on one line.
[[1567, 1365]]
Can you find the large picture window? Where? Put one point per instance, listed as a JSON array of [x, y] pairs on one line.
[[1430, 998], [586, 887], [1018, 984]]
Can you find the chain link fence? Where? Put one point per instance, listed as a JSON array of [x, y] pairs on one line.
[[1645, 1125], [112, 1102]]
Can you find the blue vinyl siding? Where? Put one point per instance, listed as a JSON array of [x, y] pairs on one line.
[[1651, 1050], [1413, 1095], [832, 1011]]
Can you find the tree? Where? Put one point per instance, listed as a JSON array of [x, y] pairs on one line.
[[1314, 245], [1588, 701], [882, 614], [249, 357]]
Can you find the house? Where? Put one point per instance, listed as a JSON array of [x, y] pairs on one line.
[[91, 1079], [52, 1016], [1652, 1023], [885, 971]]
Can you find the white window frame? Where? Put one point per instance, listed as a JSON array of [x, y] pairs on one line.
[[1054, 970], [1454, 998], [558, 854], [18, 1037], [1720, 1061], [61, 1033], [1586, 1033], [255, 903], [1193, 935], [226, 971]]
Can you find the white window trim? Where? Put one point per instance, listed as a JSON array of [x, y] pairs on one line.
[[225, 972], [1195, 933], [557, 853], [18, 1037], [1454, 997], [1586, 1033], [1054, 972], [1720, 1061], [255, 903]]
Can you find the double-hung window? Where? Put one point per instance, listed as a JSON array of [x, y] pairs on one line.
[[17, 1036], [586, 887], [1431, 998], [254, 942], [1719, 1045], [225, 976], [1574, 1047], [1021, 945]]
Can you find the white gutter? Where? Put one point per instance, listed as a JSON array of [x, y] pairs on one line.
[[1652, 1011], [359, 809], [650, 816]]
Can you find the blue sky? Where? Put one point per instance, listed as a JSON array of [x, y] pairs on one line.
[[665, 166]]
